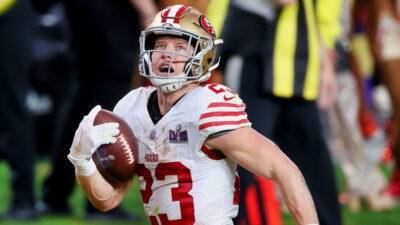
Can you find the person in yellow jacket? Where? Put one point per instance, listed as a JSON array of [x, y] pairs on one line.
[[5, 5]]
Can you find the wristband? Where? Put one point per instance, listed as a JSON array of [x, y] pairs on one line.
[[84, 167]]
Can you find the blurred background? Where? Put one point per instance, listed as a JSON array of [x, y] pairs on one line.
[[58, 58]]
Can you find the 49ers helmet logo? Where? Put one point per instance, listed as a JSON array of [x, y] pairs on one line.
[[206, 25]]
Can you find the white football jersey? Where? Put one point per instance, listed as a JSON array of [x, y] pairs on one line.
[[183, 182]]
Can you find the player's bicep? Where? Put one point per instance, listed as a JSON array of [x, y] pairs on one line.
[[251, 150]]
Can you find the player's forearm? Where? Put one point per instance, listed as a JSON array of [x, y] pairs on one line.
[[262, 157], [101, 194], [296, 195]]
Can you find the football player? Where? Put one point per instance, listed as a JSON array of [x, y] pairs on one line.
[[190, 136]]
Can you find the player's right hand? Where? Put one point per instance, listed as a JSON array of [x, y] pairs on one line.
[[87, 139]]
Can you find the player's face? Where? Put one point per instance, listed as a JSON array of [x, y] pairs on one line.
[[162, 60]]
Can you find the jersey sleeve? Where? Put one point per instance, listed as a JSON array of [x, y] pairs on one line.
[[223, 111]]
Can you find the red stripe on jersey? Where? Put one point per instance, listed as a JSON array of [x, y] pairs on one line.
[[153, 220], [165, 15], [224, 104], [216, 114], [222, 123], [179, 13], [212, 154]]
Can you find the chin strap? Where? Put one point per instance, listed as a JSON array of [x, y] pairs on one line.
[[171, 87], [166, 86]]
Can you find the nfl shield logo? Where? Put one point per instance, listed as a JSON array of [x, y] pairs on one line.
[[152, 134]]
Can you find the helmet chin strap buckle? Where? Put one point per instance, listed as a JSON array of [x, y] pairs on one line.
[[198, 71]]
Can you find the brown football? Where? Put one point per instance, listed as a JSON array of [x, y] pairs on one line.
[[116, 162]]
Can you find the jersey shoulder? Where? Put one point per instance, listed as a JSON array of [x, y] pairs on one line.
[[221, 94], [223, 110], [130, 100]]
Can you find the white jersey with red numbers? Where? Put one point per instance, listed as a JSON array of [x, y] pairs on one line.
[[182, 182]]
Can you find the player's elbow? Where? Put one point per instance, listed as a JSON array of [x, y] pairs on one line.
[[105, 209], [104, 200], [104, 206]]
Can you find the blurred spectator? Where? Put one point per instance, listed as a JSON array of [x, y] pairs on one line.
[[365, 182], [384, 36], [17, 21], [104, 40], [363, 68], [53, 75], [284, 67]]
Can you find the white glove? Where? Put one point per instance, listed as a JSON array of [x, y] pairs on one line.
[[87, 139]]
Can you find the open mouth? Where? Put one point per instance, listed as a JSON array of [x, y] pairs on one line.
[[163, 69]]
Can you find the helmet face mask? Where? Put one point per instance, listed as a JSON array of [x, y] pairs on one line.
[[183, 22]]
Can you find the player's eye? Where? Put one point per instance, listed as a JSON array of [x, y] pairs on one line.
[[181, 48], [159, 46]]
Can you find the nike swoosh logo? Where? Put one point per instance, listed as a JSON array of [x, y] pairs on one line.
[[227, 99], [79, 148]]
